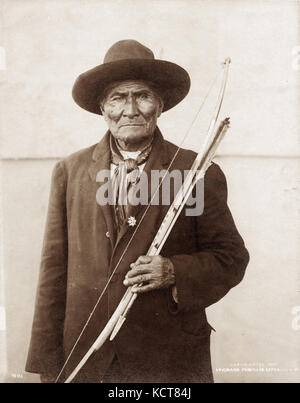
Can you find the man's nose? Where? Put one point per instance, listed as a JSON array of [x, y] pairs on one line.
[[130, 108]]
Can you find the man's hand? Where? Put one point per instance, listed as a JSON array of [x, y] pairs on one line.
[[153, 271]]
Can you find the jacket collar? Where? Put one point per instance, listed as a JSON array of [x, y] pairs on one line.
[[102, 149]]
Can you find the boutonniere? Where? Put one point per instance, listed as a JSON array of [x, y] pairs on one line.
[[131, 221]]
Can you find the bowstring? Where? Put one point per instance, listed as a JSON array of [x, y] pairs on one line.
[[138, 225]]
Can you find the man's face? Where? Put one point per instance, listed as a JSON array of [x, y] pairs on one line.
[[131, 109]]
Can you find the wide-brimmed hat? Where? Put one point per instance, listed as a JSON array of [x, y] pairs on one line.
[[130, 60]]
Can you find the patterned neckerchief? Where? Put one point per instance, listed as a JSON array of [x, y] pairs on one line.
[[126, 175]]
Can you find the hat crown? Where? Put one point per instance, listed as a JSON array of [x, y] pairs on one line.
[[127, 49]]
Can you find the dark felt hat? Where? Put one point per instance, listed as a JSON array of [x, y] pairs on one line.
[[130, 60]]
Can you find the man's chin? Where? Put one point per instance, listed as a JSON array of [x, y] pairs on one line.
[[132, 138]]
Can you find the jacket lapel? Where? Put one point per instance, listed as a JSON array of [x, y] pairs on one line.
[[101, 161]]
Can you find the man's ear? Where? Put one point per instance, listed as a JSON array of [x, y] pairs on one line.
[[100, 104], [101, 109], [160, 108]]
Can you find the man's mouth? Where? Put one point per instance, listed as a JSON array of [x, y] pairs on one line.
[[132, 124]]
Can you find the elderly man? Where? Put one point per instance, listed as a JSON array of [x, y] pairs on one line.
[[166, 337]]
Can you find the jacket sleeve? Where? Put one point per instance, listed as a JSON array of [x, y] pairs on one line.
[[204, 277], [45, 352]]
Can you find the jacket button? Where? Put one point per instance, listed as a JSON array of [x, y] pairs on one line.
[[107, 234]]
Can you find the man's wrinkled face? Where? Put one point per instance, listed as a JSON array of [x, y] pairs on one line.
[[131, 109]]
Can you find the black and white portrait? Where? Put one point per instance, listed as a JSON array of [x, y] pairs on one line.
[[149, 218]]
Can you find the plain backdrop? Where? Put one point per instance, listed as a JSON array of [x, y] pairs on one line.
[[46, 44]]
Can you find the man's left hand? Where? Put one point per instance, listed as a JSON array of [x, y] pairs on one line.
[[153, 272]]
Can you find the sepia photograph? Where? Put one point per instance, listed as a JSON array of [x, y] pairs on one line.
[[149, 193]]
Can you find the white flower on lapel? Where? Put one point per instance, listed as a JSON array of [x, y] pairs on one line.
[[131, 221]]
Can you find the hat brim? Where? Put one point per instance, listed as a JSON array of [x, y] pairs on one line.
[[172, 81]]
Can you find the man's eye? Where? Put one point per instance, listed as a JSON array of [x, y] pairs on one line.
[[116, 98], [144, 95]]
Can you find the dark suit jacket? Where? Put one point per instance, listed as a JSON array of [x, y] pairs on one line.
[[160, 340]]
